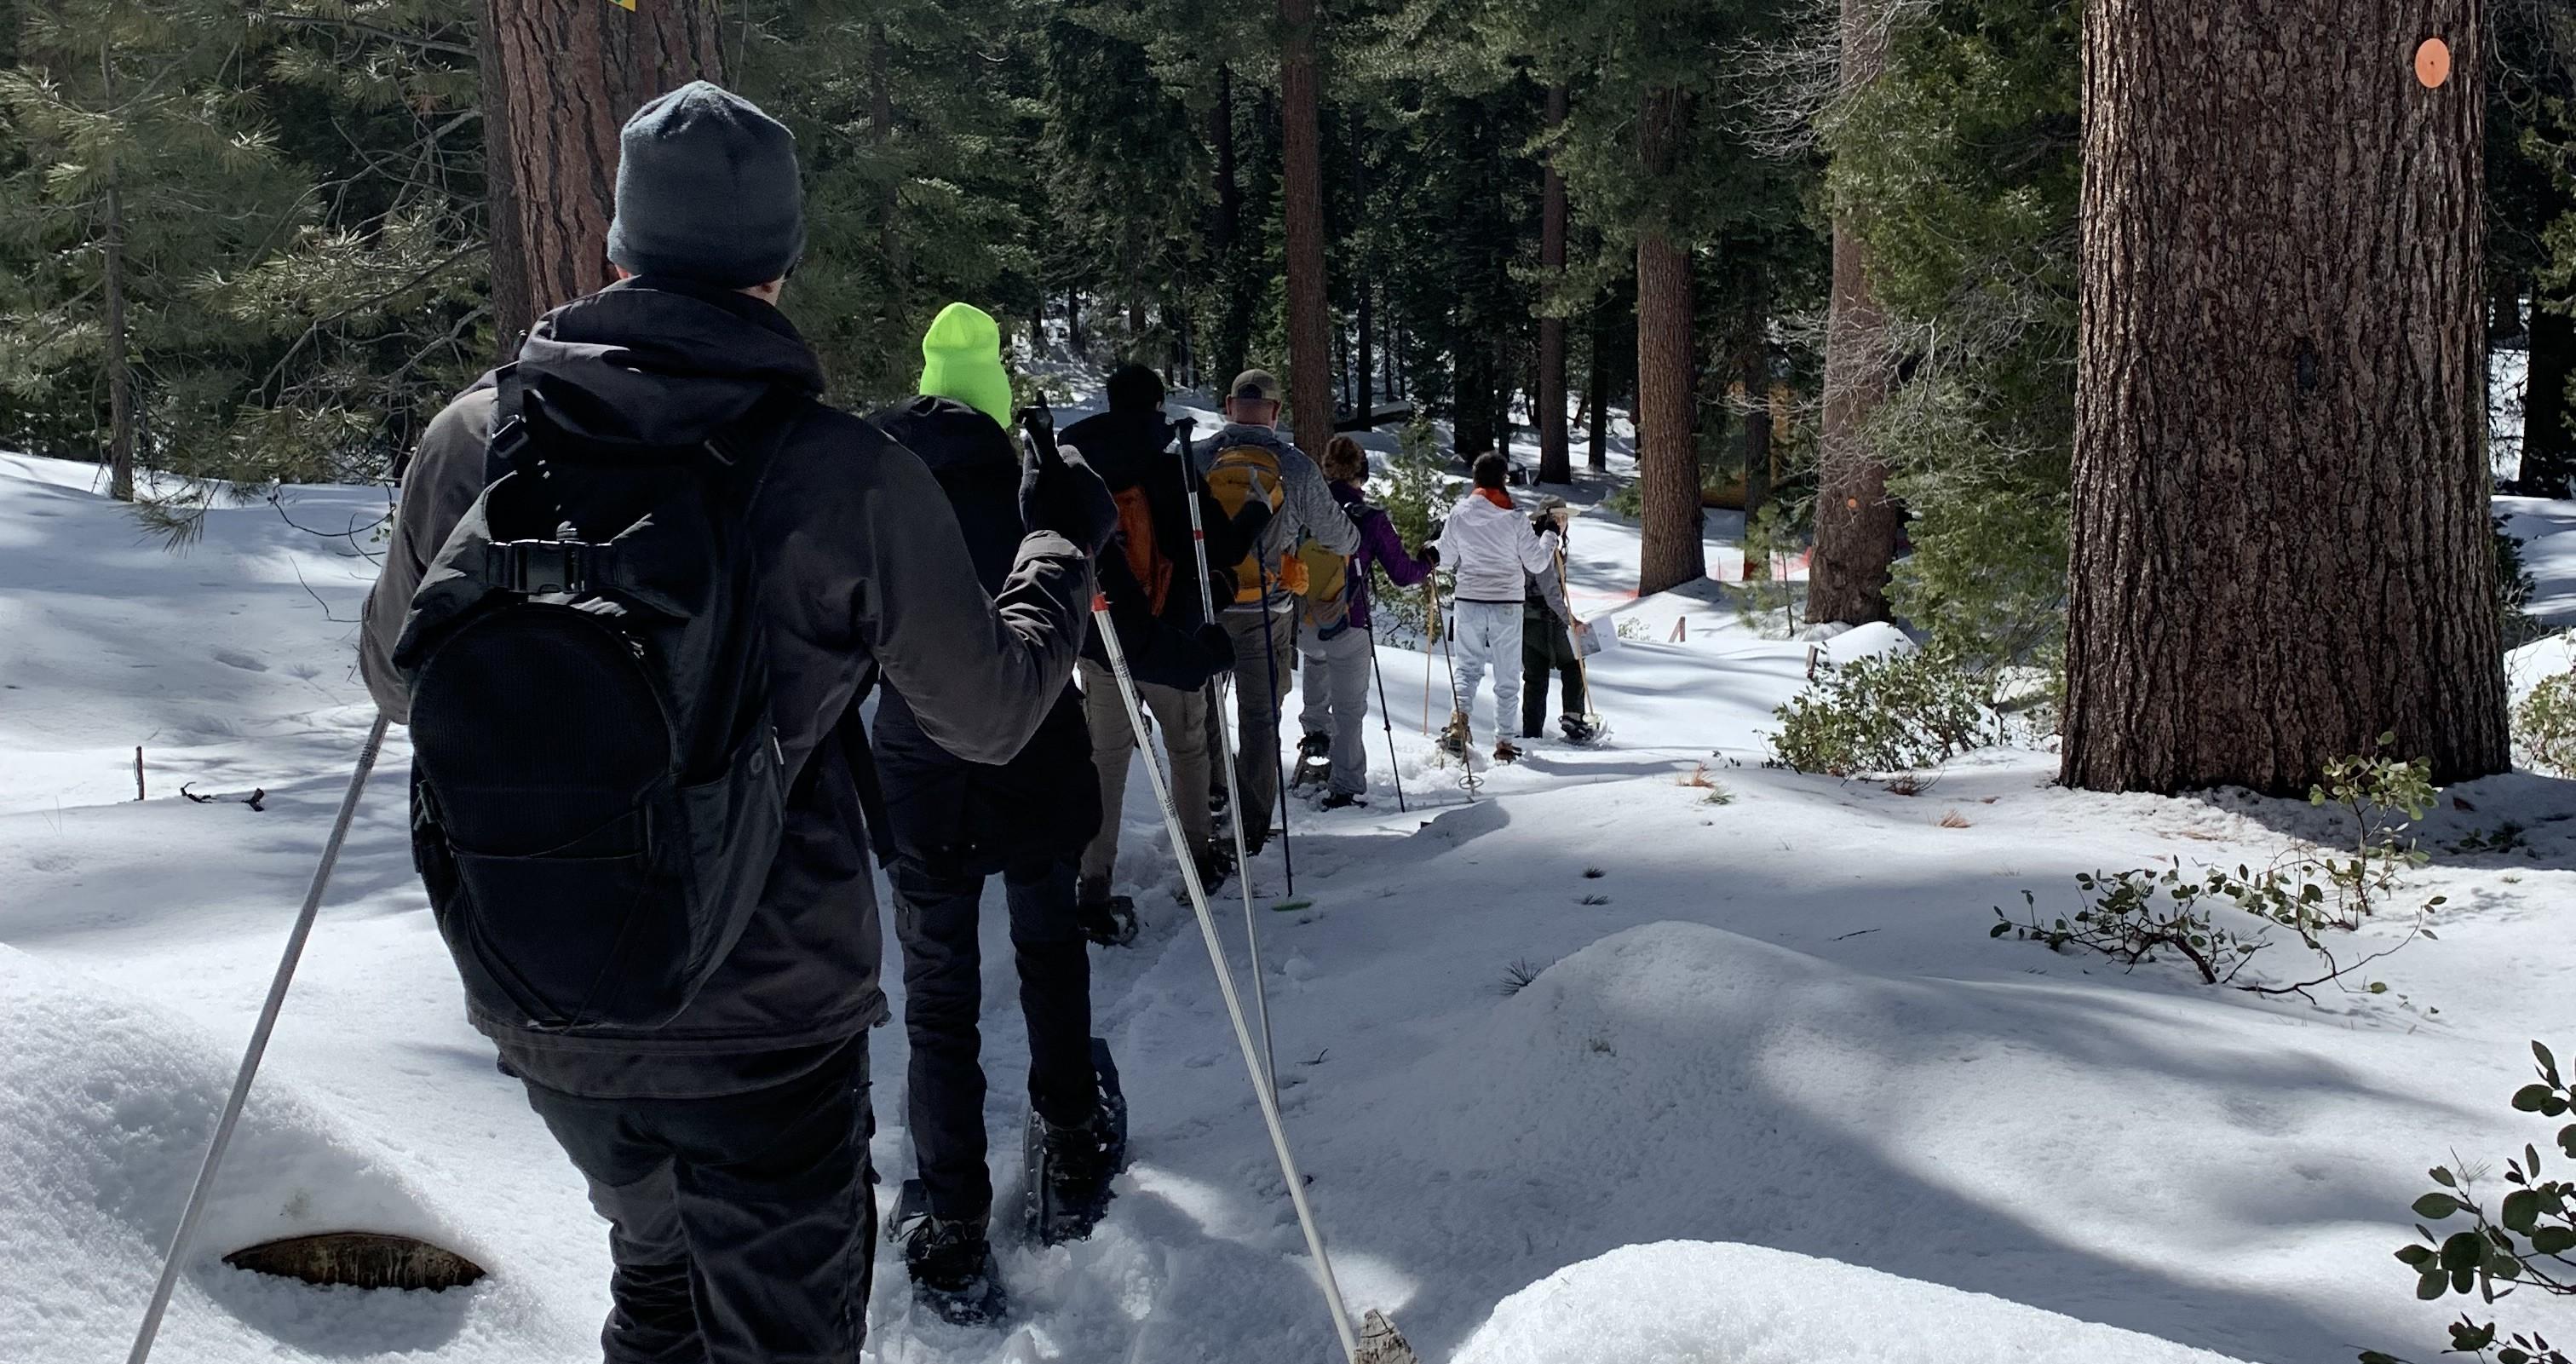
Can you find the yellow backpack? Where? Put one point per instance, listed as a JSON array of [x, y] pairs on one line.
[[1238, 475]]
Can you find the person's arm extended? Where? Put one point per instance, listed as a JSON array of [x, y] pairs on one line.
[[1387, 548], [1538, 552], [445, 476], [980, 673]]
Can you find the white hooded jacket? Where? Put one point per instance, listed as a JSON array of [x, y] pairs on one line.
[[1491, 548]]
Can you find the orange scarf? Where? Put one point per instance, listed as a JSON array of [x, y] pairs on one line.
[[1498, 497]]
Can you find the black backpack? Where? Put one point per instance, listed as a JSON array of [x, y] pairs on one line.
[[598, 790]]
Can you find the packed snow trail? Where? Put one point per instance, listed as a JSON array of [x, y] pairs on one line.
[[1774, 1021]]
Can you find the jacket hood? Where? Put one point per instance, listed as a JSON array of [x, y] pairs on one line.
[[961, 358], [661, 362], [1121, 446]]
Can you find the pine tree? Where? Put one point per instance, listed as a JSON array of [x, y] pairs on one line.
[[144, 169], [2247, 605], [1856, 523]]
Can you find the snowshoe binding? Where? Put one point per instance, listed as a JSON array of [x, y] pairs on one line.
[[1216, 864], [1314, 762], [1069, 1169], [1455, 740], [1505, 751], [1344, 800], [950, 1261], [1583, 729]]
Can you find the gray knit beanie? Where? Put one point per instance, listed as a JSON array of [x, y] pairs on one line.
[[706, 190]]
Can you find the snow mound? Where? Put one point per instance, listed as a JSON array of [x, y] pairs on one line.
[[1865, 641], [106, 1105], [2538, 661], [1696, 1302]]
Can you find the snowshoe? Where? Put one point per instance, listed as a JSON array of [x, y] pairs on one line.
[[1505, 751], [950, 1261], [1344, 800], [1109, 921], [1583, 729], [1314, 762], [1069, 1169], [1216, 865]]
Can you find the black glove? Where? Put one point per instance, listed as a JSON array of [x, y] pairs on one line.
[[1250, 522], [1429, 554], [1219, 645], [1059, 491]]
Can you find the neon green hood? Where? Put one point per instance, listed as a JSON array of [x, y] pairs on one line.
[[961, 358]]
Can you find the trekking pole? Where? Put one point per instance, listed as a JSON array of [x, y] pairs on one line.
[[1264, 1088], [1431, 631], [1582, 669], [1386, 720], [1225, 756], [259, 1034], [1278, 773], [1459, 716]]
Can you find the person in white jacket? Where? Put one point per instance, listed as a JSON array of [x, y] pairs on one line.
[[1490, 546]]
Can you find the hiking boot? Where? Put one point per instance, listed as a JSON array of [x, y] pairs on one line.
[[1219, 801], [1069, 1168], [1505, 751], [1578, 730], [952, 1269], [1454, 740], [1343, 800], [1215, 864]]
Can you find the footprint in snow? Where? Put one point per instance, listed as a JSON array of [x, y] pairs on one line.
[[235, 658]]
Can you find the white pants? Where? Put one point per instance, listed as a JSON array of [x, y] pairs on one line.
[[1489, 638]]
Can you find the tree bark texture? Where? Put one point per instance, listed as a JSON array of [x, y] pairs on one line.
[[1596, 380], [1856, 523], [1232, 335], [2280, 539], [1667, 458], [1555, 458], [1754, 369], [1310, 347], [2548, 421], [569, 76], [120, 364], [513, 307]]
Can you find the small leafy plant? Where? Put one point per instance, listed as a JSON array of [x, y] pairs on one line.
[[2525, 1243], [2544, 726], [1885, 713]]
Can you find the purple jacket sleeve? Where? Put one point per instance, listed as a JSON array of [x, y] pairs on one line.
[[1380, 543]]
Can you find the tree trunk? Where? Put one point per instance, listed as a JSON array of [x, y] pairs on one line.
[[1233, 334], [1368, 357], [568, 78], [1855, 522], [2280, 540], [890, 253], [1668, 461], [1754, 369], [2548, 417], [513, 307], [1555, 460], [1310, 358], [1597, 382], [120, 364], [1073, 334]]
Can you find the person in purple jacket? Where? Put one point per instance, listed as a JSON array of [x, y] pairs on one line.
[[1336, 643]]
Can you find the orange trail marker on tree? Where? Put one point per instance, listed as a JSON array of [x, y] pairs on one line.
[[2433, 63]]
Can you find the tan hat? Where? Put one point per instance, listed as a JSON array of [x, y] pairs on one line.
[[1255, 385]]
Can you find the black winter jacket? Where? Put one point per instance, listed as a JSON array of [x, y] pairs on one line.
[[947, 814], [864, 574]]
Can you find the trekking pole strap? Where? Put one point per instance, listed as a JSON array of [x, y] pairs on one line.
[[1263, 1087], [259, 1035]]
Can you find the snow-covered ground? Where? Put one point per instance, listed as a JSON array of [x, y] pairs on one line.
[[1769, 1095]]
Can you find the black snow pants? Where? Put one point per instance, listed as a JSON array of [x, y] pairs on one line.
[[1547, 646], [936, 917], [742, 1229]]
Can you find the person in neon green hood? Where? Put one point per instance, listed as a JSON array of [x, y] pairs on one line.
[[961, 358]]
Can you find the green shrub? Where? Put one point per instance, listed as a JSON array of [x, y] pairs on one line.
[[1414, 491], [1887, 713], [2514, 586], [2528, 1241], [2544, 726]]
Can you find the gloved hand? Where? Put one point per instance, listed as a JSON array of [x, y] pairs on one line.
[[1251, 521], [1429, 554], [1219, 644], [1060, 492]]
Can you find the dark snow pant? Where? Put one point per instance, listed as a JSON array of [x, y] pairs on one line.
[[936, 914], [1546, 645], [742, 1229]]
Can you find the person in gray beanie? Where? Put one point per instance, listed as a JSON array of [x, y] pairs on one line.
[[724, 1132]]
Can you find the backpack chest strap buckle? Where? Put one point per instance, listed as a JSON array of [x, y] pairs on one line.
[[532, 568]]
